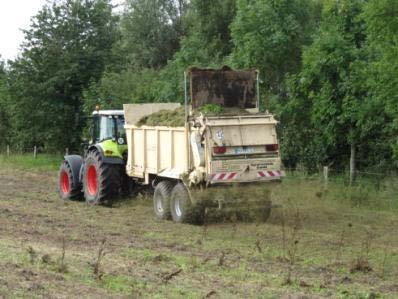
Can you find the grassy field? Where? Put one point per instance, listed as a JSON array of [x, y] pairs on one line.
[[28, 162], [335, 242]]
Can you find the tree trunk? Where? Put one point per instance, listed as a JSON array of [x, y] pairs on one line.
[[352, 164]]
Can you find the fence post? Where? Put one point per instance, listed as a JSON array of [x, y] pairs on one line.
[[325, 175], [66, 151], [8, 150], [352, 165], [35, 152]]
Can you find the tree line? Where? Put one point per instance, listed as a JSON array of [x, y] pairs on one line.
[[328, 69]]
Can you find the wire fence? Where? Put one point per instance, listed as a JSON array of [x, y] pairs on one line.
[[331, 174], [34, 151], [378, 180]]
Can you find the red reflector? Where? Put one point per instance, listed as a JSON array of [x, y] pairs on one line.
[[219, 149], [271, 147]]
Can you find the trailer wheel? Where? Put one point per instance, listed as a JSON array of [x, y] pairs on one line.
[[161, 200], [66, 187], [182, 210], [101, 181]]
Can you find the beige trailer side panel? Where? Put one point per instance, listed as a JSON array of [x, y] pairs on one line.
[[156, 150]]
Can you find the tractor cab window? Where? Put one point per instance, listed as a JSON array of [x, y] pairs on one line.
[[121, 132], [104, 127], [108, 127]]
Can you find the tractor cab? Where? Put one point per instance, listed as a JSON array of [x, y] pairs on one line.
[[108, 135], [108, 125]]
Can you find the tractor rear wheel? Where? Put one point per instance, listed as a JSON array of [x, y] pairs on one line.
[[66, 183], [161, 200], [101, 181]]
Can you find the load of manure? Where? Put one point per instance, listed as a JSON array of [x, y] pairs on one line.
[[167, 118], [175, 118]]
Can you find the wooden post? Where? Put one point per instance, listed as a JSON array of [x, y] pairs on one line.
[[8, 150], [35, 152], [352, 164], [66, 151], [325, 175]]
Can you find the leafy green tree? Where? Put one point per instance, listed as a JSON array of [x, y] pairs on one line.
[[381, 17], [115, 89], [270, 35], [208, 23], [4, 106], [67, 46], [151, 31], [329, 95], [148, 31], [207, 43]]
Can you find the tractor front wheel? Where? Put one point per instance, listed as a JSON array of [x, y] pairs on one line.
[[66, 183], [101, 181]]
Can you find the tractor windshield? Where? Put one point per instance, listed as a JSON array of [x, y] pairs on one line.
[[107, 127]]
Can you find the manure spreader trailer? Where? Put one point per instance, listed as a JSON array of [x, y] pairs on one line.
[[221, 143]]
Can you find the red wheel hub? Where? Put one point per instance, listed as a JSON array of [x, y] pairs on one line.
[[65, 182], [92, 183]]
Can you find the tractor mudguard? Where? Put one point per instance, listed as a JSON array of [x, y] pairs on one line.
[[75, 162], [108, 160]]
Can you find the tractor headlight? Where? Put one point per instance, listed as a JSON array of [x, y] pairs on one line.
[[120, 140]]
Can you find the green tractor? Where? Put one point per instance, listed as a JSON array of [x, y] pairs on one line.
[[100, 173]]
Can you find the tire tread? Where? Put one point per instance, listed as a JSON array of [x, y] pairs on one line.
[[108, 179]]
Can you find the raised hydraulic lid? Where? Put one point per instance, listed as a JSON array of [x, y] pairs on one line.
[[226, 87]]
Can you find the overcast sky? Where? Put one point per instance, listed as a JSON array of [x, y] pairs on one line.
[[14, 15]]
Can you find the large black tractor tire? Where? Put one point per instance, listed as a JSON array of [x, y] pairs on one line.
[[161, 200], [66, 183], [181, 207], [101, 181]]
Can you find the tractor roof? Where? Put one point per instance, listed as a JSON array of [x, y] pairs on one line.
[[108, 112]]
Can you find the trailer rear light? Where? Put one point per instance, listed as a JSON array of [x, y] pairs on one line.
[[219, 150], [272, 147]]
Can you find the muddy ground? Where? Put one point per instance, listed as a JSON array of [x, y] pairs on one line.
[[312, 246]]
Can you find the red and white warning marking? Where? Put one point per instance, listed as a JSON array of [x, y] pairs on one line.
[[224, 176], [269, 174]]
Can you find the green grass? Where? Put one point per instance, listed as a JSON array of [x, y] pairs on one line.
[[117, 283], [368, 191], [28, 162]]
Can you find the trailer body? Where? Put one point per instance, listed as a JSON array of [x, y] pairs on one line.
[[225, 149]]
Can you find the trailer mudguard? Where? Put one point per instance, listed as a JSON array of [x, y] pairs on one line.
[[75, 162]]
